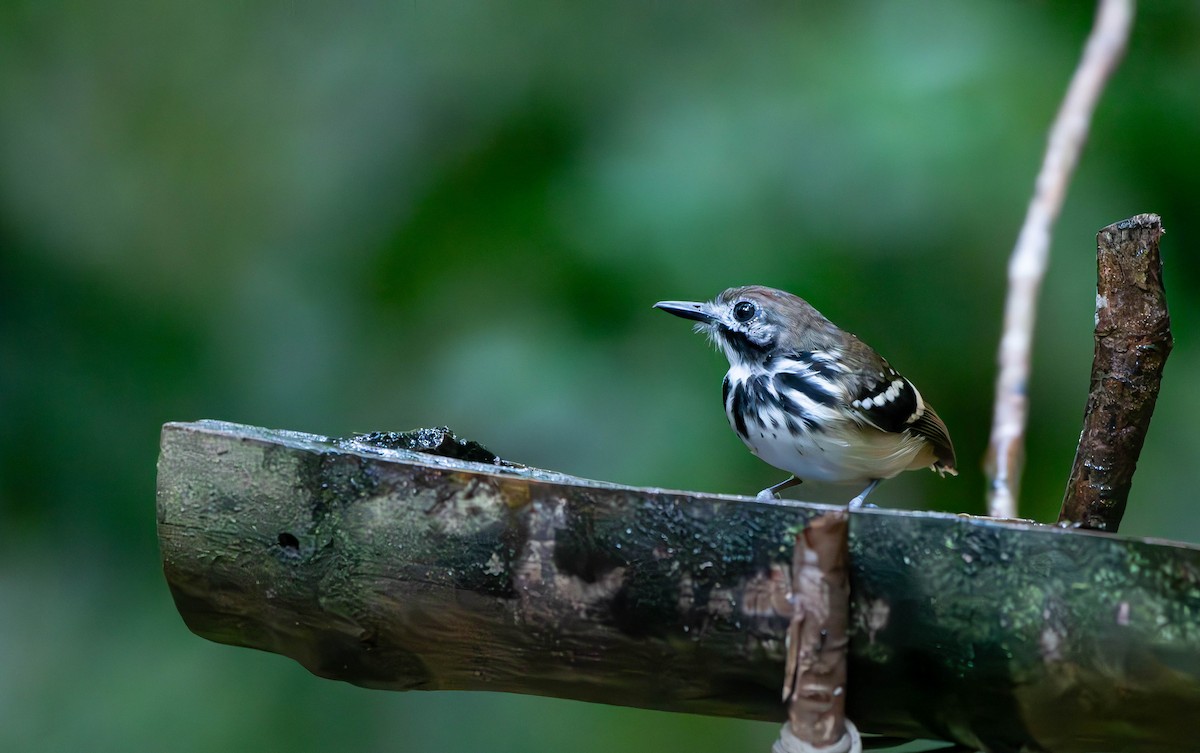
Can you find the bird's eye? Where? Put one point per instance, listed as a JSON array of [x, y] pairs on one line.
[[744, 311]]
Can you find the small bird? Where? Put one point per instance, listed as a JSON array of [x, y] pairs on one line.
[[812, 399]]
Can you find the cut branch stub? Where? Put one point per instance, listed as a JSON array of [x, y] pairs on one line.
[[1133, 340], [815, 676]]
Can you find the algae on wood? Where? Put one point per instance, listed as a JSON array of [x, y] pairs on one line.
[[402, 570]]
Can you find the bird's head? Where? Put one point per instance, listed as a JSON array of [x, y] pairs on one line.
[[750, 323]]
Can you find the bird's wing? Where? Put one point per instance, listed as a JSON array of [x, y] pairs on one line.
[[886, 401], [931, 426], [882, 398]]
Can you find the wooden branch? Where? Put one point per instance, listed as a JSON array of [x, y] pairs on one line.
[[402, 570], [814, 682], [1027, 266], [1133, 340]]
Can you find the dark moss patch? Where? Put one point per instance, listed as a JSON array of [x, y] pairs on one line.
[[336, 481], [436, 441], [646, 605]]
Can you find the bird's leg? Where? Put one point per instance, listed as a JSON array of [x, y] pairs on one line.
[[862, 496], [772, 492]]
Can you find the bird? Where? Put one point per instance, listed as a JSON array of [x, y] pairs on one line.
[[810, 398]]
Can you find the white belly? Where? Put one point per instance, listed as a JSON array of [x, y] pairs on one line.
[[844, 453]]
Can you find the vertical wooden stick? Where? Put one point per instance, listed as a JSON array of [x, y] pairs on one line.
[[1027, 266], [1133, 340], [815, 676]]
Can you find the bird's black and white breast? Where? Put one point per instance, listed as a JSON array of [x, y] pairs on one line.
[[808, 414], [782, 399], [787, 412]]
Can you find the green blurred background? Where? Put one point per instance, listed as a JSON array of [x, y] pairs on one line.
[[377, 216]]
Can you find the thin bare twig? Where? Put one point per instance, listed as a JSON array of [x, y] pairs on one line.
[[1027, 266]]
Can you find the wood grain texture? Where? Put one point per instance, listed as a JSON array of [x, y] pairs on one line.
[[402, 570]]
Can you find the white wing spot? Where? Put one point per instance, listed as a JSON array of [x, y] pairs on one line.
[[894, 391]]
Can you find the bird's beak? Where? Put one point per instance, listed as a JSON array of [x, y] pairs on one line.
[[700, 312]]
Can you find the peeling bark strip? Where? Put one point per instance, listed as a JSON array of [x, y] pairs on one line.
[[815, 676], [402, 570], [1133, 340]]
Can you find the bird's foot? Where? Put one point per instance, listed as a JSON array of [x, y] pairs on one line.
[[857, 502], [772, 492]]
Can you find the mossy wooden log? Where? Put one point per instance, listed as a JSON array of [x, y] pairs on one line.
[[402, 570]]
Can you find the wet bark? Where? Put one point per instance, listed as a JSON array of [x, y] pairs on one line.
[[1133, 340], [403, 570]]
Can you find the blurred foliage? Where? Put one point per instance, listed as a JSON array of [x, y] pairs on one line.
[[344, 218]]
